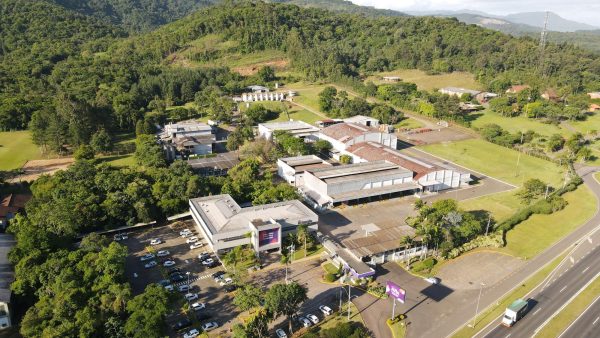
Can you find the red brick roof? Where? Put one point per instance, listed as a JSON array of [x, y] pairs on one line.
[[340, 131], [517, 88], [13, 203]]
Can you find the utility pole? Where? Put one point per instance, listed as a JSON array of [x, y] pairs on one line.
[[543, 44], [349, 301], [488, 224], [481, 285]]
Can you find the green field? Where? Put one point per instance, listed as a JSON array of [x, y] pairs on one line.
[[296, 113], [532, 236], [591, 123], [501, 205], [122, 159], [409, 123], [16, 148], [429, 82], [516, 124], [497, 161]]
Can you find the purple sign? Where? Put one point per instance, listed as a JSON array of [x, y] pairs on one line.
[[266, 237], [395, 291]]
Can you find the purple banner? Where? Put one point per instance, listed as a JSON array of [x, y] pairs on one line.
[[393, 290], [266, 237]]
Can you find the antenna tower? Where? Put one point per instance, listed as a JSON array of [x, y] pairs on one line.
[[543, 42]]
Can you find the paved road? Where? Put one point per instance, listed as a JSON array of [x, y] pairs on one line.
[[587, 325], [443, 325], [545, 303]]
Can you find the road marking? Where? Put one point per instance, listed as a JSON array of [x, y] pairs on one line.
[[595, 321], [508, 335], [584, 270], [563, 289], [536, 311]]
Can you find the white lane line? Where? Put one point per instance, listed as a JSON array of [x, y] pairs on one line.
[[563, 289], [508, 335], [536, 311], [595, 321], [584, 270]]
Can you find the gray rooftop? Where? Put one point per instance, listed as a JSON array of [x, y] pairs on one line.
[[363, 168], [379, 241], [222, 214], [291, 126], [301, 160], [6, 272]]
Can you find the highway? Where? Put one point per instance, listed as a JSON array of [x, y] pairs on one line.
[[587, 325], [549, 300]]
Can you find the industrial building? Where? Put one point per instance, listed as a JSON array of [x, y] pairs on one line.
[[187, 138], [292, 169], [325, 187], [343, 135], [296, 128], [226, 225]]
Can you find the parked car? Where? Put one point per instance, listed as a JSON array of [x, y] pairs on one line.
[[174, 271], [218, 274], [117, 237], [155, 241], [124, 236], [433, 280], [182, 324], [198, 306], [191, 296], [192, 333], [162, 253], [195, 245], [177, 278], [150, 264], [185, 232], [183, 288], [147, 257], [230, 287], [164, 282], [304, 322], [203, 256], [169, 263], [209, 326], [226, 281], [326, 310], [169, 287], [280, 333], [192, 239], [314, 319], [208, 261], [203, 315]]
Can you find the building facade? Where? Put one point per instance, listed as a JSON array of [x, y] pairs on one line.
[[343, 135]]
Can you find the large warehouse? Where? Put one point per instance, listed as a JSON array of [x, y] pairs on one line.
[[352, 182], [226, 225], [343, 135]]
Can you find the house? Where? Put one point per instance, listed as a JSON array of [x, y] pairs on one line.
[[7, 242], [459, 92], [299, 129], [391, 78], [366, 121], [226, 225], [484, 97], [330, 186], [550, 95], [430, 177], [187, 138], [10, 205], [343, 135], [292, 169], [517, 89], [258, 89], [594, 95]]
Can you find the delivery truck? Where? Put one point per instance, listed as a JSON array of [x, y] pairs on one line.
[[514, 312]]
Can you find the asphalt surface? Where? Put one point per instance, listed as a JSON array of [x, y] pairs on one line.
[[587, 325], [544, 304]]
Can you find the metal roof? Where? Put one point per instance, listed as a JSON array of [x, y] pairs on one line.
[[379, 241]]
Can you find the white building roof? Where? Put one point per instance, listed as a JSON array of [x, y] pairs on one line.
[[460, 90], [187, 127], [222, 214], [361, 119], [290, 126]]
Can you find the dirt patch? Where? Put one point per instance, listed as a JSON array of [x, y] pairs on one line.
[[35, 168], [424, 136], [468, 271], [278, 64]]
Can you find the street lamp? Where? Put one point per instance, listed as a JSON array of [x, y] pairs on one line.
[[481, 285]]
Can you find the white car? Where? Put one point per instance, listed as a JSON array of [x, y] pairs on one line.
[[226, 281], [280, 333], [185, 232], [183, 288], [209, 326], [191, 296], [198, 306], [162, 253], [326, 310], [192, 239], [155, 241], [195, 245], [169, 287], [203, 256], [169, 263], [432, 280], [208, 261], [150, 264], [305, 322], [314, 319], [146, 257], [191, 333]]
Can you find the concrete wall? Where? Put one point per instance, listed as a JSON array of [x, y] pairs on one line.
[[371, 183], [447, 178], [286, 172], [386, 139]]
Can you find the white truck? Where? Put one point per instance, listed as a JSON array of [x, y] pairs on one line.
[[514, 312]]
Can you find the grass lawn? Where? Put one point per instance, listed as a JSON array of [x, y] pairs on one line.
[[296, 113], [591, 123], [497, 161], [429, 82], [398, 329], [516, 124], [125, 159], [339, 318], [298, 254], [408, 123], [16, 148], [559, 323], [501, 205], [537, 233], [330, 268], [493, 312]]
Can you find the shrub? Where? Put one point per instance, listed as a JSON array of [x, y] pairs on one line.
[[330, 278], [424, 265]]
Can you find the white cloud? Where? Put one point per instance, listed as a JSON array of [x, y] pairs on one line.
[[587, 11]]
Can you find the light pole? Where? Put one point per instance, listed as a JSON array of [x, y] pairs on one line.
[[481, 285], [188, 284]]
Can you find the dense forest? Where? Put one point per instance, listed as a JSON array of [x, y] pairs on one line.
[[66, 89]]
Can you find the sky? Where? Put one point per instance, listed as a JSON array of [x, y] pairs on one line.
[[586, 11]]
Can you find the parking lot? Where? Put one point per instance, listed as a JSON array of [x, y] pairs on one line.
[[213, 295]]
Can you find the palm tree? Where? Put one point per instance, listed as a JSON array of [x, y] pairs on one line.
[[302, 235], [233, 257], [407, 241], [285, 260]]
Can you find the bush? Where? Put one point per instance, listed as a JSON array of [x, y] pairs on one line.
[[330, 278], [376, 289], [424, 265]]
